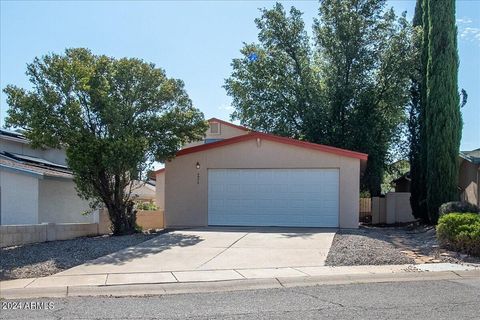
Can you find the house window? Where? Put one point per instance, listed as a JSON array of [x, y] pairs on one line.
[[214, 128]]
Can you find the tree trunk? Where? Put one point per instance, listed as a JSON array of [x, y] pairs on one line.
[[123, 217]]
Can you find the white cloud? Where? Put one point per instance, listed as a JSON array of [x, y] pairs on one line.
[[468, 30], [470, 34], [464, 20]]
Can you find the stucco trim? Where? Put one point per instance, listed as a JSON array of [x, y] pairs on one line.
[[274, 138]]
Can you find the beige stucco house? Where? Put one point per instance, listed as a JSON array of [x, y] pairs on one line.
[[237, 177], [36, 185]]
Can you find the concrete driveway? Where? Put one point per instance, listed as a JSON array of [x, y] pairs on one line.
[[217, 249]]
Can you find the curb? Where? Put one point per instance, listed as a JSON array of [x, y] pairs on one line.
[[230, 285]]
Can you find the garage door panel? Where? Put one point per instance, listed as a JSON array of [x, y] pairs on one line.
[[273, 197], [330, 203], [280, 188], [216, 204], [320, 220], [216, 188], [264, 188], [313, 204], [234, 189], [297, 204], [264, 203]]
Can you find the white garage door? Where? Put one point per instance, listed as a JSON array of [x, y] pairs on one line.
[[273, 197]]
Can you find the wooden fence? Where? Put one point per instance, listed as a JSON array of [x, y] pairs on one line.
[[365, 209]]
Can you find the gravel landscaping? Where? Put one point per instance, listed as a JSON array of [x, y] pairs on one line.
[[47, 258], [390, 245], [364, 247]]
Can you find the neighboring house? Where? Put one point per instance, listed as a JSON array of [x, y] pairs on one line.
[[402, 184], [144, 191], [247, 178], [36, 186], [469, 176]]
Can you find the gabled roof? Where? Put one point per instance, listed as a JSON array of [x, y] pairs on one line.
[[271, 137], [35, 161], [13, 136], [405, 176], [228, 124], [37, 168], [472, 156]]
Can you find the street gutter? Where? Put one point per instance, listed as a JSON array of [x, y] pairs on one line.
[[231, 285]]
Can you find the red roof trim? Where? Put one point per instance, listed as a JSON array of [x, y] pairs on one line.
[[229, 124], [271, 137]]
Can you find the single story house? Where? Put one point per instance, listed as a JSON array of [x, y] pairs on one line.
[[238, 177], [36, 186]]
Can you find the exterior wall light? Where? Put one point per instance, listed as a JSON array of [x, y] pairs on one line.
[[197, 165]]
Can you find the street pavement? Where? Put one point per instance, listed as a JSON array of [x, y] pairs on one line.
[[439, 299]]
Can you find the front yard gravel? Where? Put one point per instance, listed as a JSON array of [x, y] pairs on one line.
[[47, 258], [390, 245], [364, 247]]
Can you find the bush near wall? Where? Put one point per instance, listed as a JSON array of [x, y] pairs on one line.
[[460, 232], [146, 206], [458, 207]]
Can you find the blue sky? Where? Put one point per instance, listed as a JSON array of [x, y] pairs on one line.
[[192, 40]]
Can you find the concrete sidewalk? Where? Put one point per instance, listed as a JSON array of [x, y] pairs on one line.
[[229, 279]]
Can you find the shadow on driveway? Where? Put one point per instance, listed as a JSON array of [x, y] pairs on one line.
[[161, 243], [46, 258]]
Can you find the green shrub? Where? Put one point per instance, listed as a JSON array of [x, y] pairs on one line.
[[147, 206], [460, 232], [458, 207]]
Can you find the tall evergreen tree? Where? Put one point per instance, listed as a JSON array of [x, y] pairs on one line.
[[443, 118], [416, 121]]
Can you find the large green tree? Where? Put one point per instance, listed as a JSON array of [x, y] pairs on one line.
[[114, 117], [274, 86], [347, 88], [443, 118], [366, 56]]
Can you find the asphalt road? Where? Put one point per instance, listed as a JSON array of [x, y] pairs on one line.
[[452, 299]]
